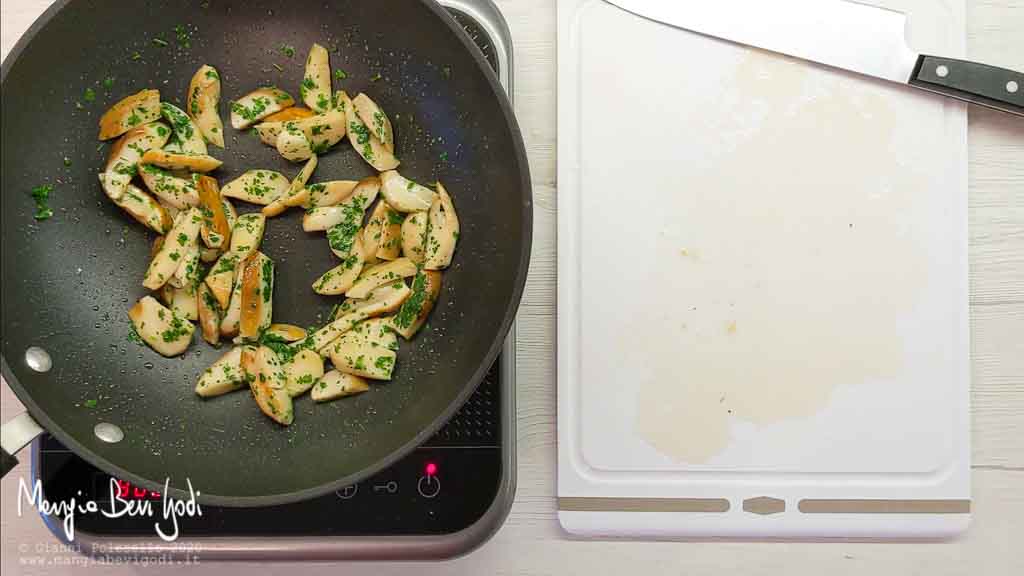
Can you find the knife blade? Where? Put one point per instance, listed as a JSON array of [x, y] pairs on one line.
[[860, 38]]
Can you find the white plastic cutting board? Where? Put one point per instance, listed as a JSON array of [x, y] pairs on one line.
[[762, 288]]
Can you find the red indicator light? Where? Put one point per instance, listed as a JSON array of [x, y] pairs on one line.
[[431, 469]]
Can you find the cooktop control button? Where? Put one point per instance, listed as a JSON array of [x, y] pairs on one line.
[[429, 485], [347, 492]]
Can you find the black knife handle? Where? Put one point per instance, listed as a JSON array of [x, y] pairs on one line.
[[981, 84]]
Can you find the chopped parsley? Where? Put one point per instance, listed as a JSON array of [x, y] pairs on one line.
[[259, 106], [395, 217], [304, 379], [340, 74], [443, 156], [287, 50], [89, 95], [308, 84], [268, 279], [108, 82], [178, 329], [133, 336], [41, 194], [67, 162], [375, 77], [90, 403], [384, 363], [180, 122], [183, 35], [410, 309], [136, 55], [212, 75]]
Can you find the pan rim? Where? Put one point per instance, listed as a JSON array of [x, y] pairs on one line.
[[525, 185]]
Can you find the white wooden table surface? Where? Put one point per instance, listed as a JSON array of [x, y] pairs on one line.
[[531, 542]]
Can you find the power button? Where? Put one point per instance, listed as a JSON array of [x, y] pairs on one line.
[[429, 486]]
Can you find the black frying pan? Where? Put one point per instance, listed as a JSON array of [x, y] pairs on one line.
[[68, 282]]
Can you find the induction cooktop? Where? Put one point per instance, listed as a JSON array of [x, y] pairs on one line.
[[443, 499]]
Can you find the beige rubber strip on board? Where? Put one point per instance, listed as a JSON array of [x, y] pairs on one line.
[[885, 506], [588, 504]]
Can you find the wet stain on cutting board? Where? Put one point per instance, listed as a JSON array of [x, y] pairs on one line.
[[784, 262]]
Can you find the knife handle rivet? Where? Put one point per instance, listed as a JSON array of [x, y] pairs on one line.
[[1012, 87], [942, 71]]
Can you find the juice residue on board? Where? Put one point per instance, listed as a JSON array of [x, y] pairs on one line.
[[804, 269]]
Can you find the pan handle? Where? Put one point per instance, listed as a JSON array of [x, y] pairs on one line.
[[15, 434]]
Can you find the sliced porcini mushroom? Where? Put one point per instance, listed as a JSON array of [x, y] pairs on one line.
[[160, 328], [289, 114], [209, 255], [286, 332], [443, 232], [267, 379], [292, 143], [269, 131], [223, 376], [132, 111], [305, 369], [257, 187], [171, 210], [215, 229], [330, 202], [135, 202], [229, 212], [342, 236], [297, 194], [232, 316], [322, 217], [362, 139], [390, 243], [322, 338], [383, 299], [209, 314], [171, 253], [182, 301], [246, 236], [221, 278], [316, 83], [128, 149], [185, 130], [181, 161], [371, 232], [170, 189], [382, 273], [373, 362], [203, 99], [257, 298], [373, 332], [335, 384], [330, 193], [405, 195], [375, 119], [323, 130], [257, 105], [414, 236], [187, 273], [340, 278], [426, 287]]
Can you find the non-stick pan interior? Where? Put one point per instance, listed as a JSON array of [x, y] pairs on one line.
[[68, 281]]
